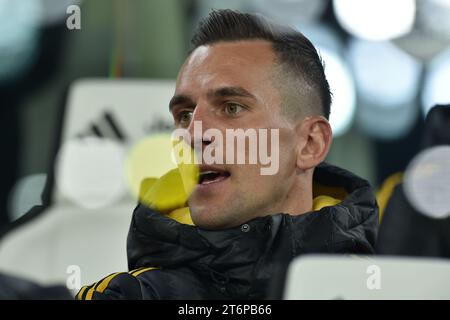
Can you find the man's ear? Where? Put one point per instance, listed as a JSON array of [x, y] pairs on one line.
[[314, 140]]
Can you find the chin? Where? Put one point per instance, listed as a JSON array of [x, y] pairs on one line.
[[209, 220]]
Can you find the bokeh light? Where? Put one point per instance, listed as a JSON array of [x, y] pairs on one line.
[[426, 182], [376, 19], [157, 175], [434, 17], [290, 11], [436, 87], [384, 74], [338, 75], [148, 158], [387, 80], [343, 90], [19, 31], [54, 11]]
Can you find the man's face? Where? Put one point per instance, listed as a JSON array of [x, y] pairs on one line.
[[230, 85]]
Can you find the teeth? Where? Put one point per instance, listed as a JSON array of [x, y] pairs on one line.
[[207, 177], [207, 172]]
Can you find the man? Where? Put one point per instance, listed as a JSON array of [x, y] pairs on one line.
[[247, 73]]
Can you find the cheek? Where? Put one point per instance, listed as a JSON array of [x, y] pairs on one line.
[[282, 161], [288, 155], [288, 144]]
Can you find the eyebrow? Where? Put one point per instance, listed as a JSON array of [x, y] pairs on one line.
[[230, 92], [222, 92], [180, 99]]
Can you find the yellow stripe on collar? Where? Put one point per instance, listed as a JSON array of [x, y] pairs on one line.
[[322, 201]]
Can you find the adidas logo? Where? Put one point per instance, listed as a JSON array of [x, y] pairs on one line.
[[107, 126]]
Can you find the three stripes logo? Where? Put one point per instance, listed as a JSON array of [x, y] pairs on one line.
[[107, 126]]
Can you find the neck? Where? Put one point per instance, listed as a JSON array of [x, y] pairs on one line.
[[299, 199]]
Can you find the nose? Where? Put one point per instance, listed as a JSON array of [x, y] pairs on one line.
[[200, 122]]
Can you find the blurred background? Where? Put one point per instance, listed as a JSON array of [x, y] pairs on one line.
[[388, 63]]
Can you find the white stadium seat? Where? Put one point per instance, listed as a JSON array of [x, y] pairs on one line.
[[89, 230], [353, 277]]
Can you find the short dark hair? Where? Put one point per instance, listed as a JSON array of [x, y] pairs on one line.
[[292, 49]]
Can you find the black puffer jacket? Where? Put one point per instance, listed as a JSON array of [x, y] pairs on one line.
[[238, 263]]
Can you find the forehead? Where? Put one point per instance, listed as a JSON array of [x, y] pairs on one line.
[[238, 63]]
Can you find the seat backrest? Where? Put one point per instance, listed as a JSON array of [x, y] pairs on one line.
[[120, 111], [91, 238], [353, 277]]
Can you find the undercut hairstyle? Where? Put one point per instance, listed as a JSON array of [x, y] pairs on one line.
[[300, 62]]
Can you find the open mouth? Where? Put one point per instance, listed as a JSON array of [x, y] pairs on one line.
[[210, 176]]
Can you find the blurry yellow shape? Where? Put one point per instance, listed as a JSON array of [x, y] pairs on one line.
[[385, 192], [157, 181], [189, 174], [148, 158], [182, 215], [167, 195]]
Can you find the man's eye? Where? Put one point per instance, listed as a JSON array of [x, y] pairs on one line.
[[232, 109], [184, 118]]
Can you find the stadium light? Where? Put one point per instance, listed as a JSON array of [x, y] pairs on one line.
[[338, 75], [376, 19], [19, 31], [387, 81], [343, 90], [290, 11], [426, 181], [436, 87]]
